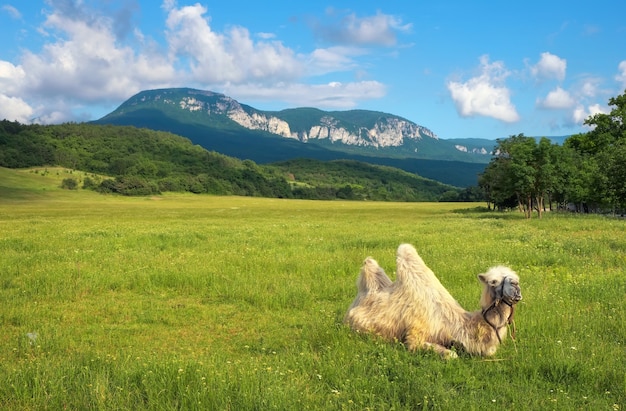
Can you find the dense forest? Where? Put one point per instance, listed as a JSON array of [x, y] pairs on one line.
[[587, 172], [133, 161]]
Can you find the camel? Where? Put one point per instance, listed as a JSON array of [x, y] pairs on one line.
[[418, 311]]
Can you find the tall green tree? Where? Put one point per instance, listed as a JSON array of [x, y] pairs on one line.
[[603, 148], [519, 152], [496, 182], [545, 177]]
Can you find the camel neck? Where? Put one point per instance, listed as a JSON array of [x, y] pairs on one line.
[[496, 316]]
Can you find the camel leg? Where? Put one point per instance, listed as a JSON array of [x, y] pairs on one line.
[[414, 342], [441, 350]]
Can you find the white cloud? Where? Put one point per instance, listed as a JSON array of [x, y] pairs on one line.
[[229, 57], [15, 109], [12, 11], [333, 95], [90, 57], [332, 59], [169, 5], [597, 109], [266, 36], [589, 87], [11, 77], [87, 64], [621, 77], [557, 99], [12, 107], [380, 29], [549, 66], [485, 94], [581, 113]]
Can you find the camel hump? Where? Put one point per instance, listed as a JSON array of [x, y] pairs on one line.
[[407, 251], [370, 265], [408, 255], [373, 277], [410, 264]]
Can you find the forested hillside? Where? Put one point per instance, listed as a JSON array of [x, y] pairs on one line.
[[365, 181], [143, 162]]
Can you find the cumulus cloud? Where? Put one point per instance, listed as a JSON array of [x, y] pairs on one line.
[[579, 101], [12, 107], [557, 99], [11, 77], [588, 87], [485, 94], [380, 29], [15, 109], [581, 113], [621, 77], [94, 56], [549, 66], [86, 63], [226, 57]]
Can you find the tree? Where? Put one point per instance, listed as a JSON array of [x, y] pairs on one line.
[[495, 181], [516, 155], [545, 176], [604, 147], [523, 172]]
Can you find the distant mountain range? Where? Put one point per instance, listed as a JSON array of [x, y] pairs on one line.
[[222, 124]]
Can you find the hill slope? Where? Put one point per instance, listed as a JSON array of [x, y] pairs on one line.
[[143, 161]]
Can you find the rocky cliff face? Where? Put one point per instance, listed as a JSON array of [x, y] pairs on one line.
[[388, 130], [475, 150]]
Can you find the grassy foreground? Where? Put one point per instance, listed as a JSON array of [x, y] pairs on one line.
[[218, 303]]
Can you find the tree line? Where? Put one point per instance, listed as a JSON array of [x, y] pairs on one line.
[[586, 173]]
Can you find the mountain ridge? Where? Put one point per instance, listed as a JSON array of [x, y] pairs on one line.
[[201, 116], [365, 131], [352, 127]]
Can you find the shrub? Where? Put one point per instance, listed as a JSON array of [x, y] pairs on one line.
[[89, 183], [69, 184]]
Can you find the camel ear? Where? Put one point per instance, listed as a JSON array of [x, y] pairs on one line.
[[489, 279]]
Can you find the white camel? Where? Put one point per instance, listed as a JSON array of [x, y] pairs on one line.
[[417, 310]]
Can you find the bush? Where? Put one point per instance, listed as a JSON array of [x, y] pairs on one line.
[[129, 186], [89, 184], [69, 184]]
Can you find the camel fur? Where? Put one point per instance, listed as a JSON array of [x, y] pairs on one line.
[[417, 310]]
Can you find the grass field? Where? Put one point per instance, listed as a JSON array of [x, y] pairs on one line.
[[229, 303]]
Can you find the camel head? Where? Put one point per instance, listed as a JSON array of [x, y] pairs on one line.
[[500, 284]]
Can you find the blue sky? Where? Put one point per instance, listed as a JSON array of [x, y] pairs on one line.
[[484, 69]]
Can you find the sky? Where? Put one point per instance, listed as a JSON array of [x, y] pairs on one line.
[[481, 69]]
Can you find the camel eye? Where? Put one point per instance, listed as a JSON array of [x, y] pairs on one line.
[[493, 282]]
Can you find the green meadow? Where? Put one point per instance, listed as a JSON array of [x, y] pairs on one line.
[[233, 303]]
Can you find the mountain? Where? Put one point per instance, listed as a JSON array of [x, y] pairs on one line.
[[220, 123]]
